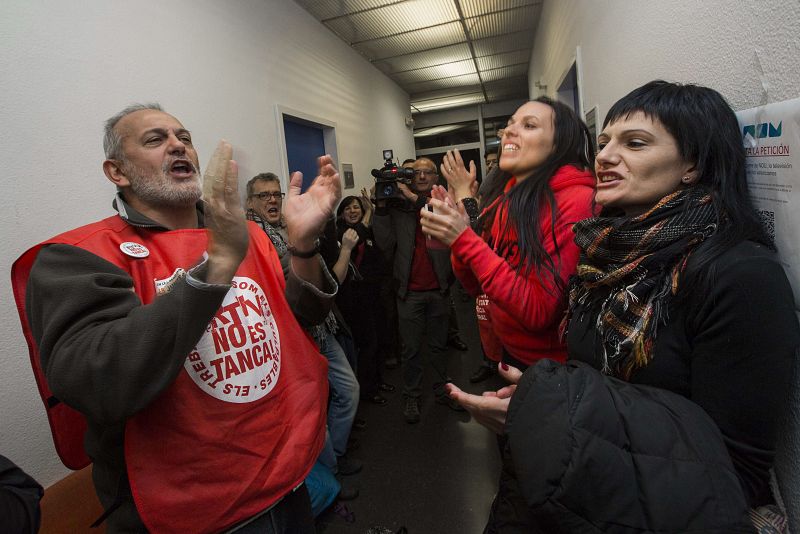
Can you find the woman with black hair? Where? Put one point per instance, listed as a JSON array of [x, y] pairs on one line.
[[525, 253], [358, 298], [521, 262], [681, 334]]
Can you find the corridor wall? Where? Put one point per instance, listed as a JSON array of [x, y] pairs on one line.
[[749, 51], [220, 67]]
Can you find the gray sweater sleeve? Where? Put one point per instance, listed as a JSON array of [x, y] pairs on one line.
[[310, 304], [102, 351]]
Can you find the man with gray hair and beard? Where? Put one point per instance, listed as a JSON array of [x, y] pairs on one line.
[[169, 333]]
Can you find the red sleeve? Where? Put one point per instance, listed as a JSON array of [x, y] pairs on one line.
[[461, 269], [533, 301]]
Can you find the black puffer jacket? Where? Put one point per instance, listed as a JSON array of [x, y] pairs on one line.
[[596, 454]]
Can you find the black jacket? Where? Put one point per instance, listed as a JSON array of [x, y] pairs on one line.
[[596, 454], [687, 444], [395, 229]]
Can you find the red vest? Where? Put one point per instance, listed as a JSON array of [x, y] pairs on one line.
[[243, 423]]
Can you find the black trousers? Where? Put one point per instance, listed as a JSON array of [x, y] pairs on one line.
[[292, 515]]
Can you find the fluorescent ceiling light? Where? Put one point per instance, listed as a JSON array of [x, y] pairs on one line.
[[449, 102], [451, 70], [427, 132]]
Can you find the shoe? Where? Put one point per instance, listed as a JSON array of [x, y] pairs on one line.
[[344, 512], [411, 410], [359, 423], [374, 399], [481, 373], [391, 363], [450, 403], [348, 466], [347, 493], [457, 344], [383, 386]]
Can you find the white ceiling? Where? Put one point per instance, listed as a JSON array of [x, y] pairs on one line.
[[445, 53]]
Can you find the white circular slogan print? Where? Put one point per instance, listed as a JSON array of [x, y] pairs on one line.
[[238, 359]]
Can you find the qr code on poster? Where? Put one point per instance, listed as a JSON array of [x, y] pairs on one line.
[[768, 222]]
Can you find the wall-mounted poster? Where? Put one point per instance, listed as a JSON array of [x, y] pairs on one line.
[[771, 137], [347, 175]]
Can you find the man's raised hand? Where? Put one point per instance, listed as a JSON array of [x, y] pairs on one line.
[[307, 213], [224, 216]]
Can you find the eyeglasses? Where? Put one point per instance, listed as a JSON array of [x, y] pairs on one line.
[[267, 195], [424, 173]]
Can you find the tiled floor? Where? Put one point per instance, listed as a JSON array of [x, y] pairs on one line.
[[438, 476]]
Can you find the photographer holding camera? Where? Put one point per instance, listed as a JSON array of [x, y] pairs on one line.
[[423, 275]]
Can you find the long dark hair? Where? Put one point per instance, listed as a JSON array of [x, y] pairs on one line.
[[707, 134], [572, 146]]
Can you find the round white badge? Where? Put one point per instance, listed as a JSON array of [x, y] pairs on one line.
[[134, 250], [238, 359]]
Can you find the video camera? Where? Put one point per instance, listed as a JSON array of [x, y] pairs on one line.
[[387, 178]]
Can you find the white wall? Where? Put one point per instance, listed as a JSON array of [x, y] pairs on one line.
[[220, 67], [748, 51]]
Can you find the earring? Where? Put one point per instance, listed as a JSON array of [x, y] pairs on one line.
[[686, 179]]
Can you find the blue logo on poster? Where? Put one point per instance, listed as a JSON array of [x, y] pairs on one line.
[[765, 129]]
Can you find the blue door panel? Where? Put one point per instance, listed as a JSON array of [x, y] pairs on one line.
[[304, 144]]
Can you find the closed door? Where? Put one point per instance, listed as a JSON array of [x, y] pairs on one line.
[[304, 144]]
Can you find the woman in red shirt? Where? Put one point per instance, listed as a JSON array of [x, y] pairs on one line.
[[521, 268]]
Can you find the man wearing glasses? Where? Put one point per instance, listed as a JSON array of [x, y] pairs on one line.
[[423, 277], [264, 203], [265, 200]]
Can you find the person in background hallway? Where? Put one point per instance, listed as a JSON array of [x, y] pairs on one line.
[[143, 322], [423, 276], [681, 334], [453, 338], [491, 160], [19, 500], [359, 297], [520, 270], [267, 212], [265, 208]]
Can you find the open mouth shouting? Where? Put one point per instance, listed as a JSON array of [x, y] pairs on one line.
[[607, 178], [181, 168]]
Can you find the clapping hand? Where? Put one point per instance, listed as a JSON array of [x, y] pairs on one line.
[[447, 221], [491, 408], [366, 201], [224, 216], [462, 182], [307, 213]]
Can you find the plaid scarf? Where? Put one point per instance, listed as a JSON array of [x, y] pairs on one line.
[[631, 267], [274, 236]]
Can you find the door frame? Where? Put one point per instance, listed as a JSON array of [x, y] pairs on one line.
[[328, 136]]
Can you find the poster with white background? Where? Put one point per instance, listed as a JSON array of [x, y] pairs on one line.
[[771, 137]]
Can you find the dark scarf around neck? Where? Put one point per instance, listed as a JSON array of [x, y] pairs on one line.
[[631, 268]]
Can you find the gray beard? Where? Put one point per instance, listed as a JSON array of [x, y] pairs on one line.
[[159, 190]]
